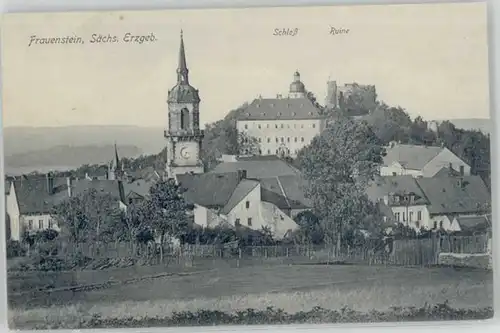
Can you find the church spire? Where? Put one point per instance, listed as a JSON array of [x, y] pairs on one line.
[[182, 70], [117, 159]]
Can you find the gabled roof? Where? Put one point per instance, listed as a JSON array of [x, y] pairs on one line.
[[280, 109], [140, 187], [450, 195], [473, 222], [395, 185], [286, 192], [447, 172], [411, 156], [216, 191], [34, 197], [258, 167]]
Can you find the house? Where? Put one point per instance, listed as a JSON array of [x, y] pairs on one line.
[[431, 203], [451, 198], [473, 223], [30, 199], [403, 198], [282, 125], [420, 161], [281, 183], [233, 199]]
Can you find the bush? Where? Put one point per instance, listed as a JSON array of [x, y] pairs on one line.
[[272, 316], [14, 249]]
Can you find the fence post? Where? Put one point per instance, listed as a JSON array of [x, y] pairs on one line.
[[265, 252], [287, 252]]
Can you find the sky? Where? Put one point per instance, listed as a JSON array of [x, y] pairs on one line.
[[430, 59]]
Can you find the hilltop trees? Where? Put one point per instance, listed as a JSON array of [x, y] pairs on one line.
[[338, 164]]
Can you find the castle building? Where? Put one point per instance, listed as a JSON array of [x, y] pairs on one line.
[[183, 134], [282, 126]]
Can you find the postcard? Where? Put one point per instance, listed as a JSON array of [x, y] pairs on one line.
[[247, 166]]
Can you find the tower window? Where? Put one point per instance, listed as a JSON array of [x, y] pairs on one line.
[[277, 140], [184, 118], [247, 204], [295, 139], [302, 139], [268, 140], [249, 221]]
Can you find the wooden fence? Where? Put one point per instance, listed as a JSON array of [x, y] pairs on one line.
[[404, 252]]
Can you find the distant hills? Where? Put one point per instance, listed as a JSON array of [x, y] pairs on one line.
[[60, 148]]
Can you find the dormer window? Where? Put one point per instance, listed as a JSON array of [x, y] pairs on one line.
[[279, 114], [310, 113], [293, 113], [257, 105], [248, 114]]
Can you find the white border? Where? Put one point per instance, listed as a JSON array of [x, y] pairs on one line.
[[494, 53]]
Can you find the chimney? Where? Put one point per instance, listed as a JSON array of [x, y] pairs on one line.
[[462, 170], [69, 183], [50, 183], [242, 174]]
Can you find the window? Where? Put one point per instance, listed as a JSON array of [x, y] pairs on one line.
[[51, 224], [281, 125], [394, 174], [260, 151], [435, 224], [267, 126], [411, 217], [30, 224], [462, 171], [282, 218], [314, 125], [419, 215], [295, 139], [268, 140], [277, 140], [282, 139], [288, 125], [247, 204], [260, 140], [249, 221], [40, 224], [258, 126], [294, 125], [287, 139], [237, 222], [276, 151], [302, 139], [276, 125], [440, 224], [301, 125], [269, 151], [404, 216], [185, 119], [246, 126], [398, 217]]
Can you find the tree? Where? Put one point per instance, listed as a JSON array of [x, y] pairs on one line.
[[222, 137], [165, 211], [88, 216], [338, 165], [310, 229]]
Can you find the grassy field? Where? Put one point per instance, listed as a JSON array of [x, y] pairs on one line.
[[292, 288]]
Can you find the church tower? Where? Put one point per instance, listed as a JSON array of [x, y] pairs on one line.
[[115, 167], [183, 133]]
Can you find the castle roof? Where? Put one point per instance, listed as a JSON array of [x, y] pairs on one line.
[[280, 109]]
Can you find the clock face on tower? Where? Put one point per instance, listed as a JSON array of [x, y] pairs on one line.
[[185, 153]]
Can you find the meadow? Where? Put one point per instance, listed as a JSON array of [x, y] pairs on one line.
[[289, 288]]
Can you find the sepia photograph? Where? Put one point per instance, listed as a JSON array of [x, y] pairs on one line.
[[249, 166]]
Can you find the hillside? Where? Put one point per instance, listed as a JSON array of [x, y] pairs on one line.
[[60, 148], [484, 125], [64, 157]]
